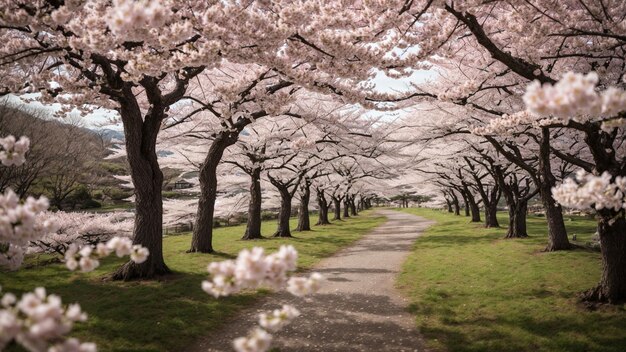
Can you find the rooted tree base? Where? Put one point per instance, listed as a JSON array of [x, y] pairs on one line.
[[247, 237], [282, 234], [134, 271], [201, 250], [560, 247], [515, 235], [597, 296]]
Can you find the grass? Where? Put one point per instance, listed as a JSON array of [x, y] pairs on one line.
[[471, 290], [169, 314]]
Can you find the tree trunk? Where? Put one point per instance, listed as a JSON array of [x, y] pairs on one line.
[[284, 215], [337, 208], [517, 219], [322, 204], [353, 210], [346, 209], [612, 286], [455, 203], [557, 234], [253, 227], [465, 204], [491, 211], [140, 137], [304, 223], [474, 209], [202, 239], [449, 205]]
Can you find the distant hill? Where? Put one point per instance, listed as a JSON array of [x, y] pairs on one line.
[[110, 134]]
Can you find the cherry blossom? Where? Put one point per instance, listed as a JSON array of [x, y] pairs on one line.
[[20, 224], [258, 340], [590, 191], [13, 152], [278, 318], [87, 257], [39, 322]]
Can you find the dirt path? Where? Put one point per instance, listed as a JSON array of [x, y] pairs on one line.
[[357, 310]]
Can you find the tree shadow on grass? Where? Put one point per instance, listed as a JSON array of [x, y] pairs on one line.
[[329, 322], [149, 316], [470, 321]]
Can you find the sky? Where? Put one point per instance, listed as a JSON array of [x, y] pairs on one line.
[[101, 118]]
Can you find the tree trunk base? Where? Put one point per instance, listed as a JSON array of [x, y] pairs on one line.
[[133, 271], [597, 296], [247, 237], [322, 223], [561, 247], [514, 235], [308, 228], [282, 234], [200, 250]]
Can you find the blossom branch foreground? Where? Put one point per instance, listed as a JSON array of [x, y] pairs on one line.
[[252, 270], [590, 191], [39, 322], [19, 221], [574, 98]]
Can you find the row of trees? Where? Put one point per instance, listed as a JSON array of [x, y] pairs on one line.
[[212, 69], [514, 119], [235, 62]]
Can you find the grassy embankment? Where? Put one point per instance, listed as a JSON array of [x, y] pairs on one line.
[[169, 314], [471, 290]]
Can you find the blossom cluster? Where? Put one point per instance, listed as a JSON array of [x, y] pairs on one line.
[[87, 257], [39, 322], [20, 224], [259, 339], [278, 318], [253, 269], [505, 124], [591, 191], [575, 97], [82, 228], [459, 91], [13, 152]]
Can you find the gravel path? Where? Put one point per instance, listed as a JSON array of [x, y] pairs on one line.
[[358, 309]]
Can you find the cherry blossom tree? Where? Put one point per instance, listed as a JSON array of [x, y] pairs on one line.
[[139, 58]]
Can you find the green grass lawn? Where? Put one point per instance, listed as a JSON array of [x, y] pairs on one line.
[[471, 290], [169, 314]]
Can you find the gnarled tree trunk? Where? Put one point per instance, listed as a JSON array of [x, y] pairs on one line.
[[304, 223], [346, 208], [455, 203], [202, 239], [474, 209], [557, 234], [612, 286], [253, 227], [140, 135], [322, 204], [284, 215], [353, 210], [337, 208], [491, 212], [517, 219]]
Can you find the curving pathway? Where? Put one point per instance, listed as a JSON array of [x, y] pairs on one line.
[[358, 308]]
